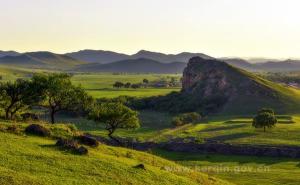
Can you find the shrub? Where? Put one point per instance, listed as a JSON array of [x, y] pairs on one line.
[[186, 118], [176, 121]]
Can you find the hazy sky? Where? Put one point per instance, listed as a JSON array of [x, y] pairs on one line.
[[245, 28]]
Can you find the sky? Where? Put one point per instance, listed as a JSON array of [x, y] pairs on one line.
[[220, 28]]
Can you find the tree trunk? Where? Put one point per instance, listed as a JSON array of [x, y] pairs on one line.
[[264, 129], [7, 114], [52, 113], [113, 138]]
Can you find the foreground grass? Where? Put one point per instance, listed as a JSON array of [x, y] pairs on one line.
[[241, 170], [34, 160]]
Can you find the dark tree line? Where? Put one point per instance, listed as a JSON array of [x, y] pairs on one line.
[[54, 92], [57, 93]]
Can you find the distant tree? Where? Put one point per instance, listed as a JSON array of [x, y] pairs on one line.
[[145, 81], [127, 85], [135, 86], [264, 119], [118, 85], [60, 95], [17, 96], [114, 116]]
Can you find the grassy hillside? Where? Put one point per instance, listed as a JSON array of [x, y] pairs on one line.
[[35, 160], [282, 98]]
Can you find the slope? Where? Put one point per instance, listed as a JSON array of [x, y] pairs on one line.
[[34, 160]]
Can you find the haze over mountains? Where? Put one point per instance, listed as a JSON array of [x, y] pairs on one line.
[[140, 62]]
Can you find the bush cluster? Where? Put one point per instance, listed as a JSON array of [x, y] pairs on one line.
[[186, 118]]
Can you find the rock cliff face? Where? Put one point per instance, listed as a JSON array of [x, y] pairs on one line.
[[213, 83], [211, 86], [206, 77]]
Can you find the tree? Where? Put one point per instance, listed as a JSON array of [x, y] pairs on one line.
[[118, 85], [59, 94], [135, 86], [266, 110], [17, 96], [127, 85], [264, 119], [145, 81], [114, 116]]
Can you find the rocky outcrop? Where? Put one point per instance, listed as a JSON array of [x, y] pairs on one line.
[[209, 74], [38, 130], [213, 83]]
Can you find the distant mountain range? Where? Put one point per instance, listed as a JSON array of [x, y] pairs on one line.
[[141, 62], [8, 53], [43, 59], [141, 65], [105, 57]]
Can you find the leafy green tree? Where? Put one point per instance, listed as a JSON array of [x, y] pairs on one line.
[[145, 81], [17, 96], [118, 85], [59, 94], [114, 116], [135, 86], [264, 119], [127, 85], [266, 110]]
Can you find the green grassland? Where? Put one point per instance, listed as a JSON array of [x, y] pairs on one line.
[[35, 160], [157, 127], [241, 170], [101, 85]]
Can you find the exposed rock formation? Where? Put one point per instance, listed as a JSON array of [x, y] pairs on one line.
[[214, 83]]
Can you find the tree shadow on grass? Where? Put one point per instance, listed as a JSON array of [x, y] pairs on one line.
[[232, 136], [220, 128], [237, 121], [216, 159]]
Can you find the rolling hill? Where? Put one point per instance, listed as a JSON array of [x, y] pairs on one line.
[[98, 56], [142, 65], [8, 53], [213, 86], [282, 66], [168, 58], [43, 60]]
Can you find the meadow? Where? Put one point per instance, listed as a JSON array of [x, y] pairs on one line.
[[100, 85], [156, 126]]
